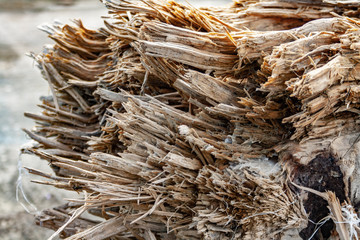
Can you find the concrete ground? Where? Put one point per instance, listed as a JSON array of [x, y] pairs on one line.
[[21, 86]]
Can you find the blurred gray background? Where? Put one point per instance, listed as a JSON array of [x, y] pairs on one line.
[[21, 86]]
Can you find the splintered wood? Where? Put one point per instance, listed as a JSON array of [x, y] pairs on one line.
[[173, 122]]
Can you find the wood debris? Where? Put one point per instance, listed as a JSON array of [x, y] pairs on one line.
[[216, 123]]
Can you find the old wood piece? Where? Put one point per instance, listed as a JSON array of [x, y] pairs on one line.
[[237, 122]]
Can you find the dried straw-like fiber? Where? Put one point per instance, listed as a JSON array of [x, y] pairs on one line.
[[212, 123]]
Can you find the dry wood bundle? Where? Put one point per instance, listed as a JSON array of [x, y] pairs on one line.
[[240, 122]]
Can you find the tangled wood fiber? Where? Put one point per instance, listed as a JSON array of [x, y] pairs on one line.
[[171, 122]]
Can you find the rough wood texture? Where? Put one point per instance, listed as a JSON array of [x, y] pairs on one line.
[[240, 122]]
